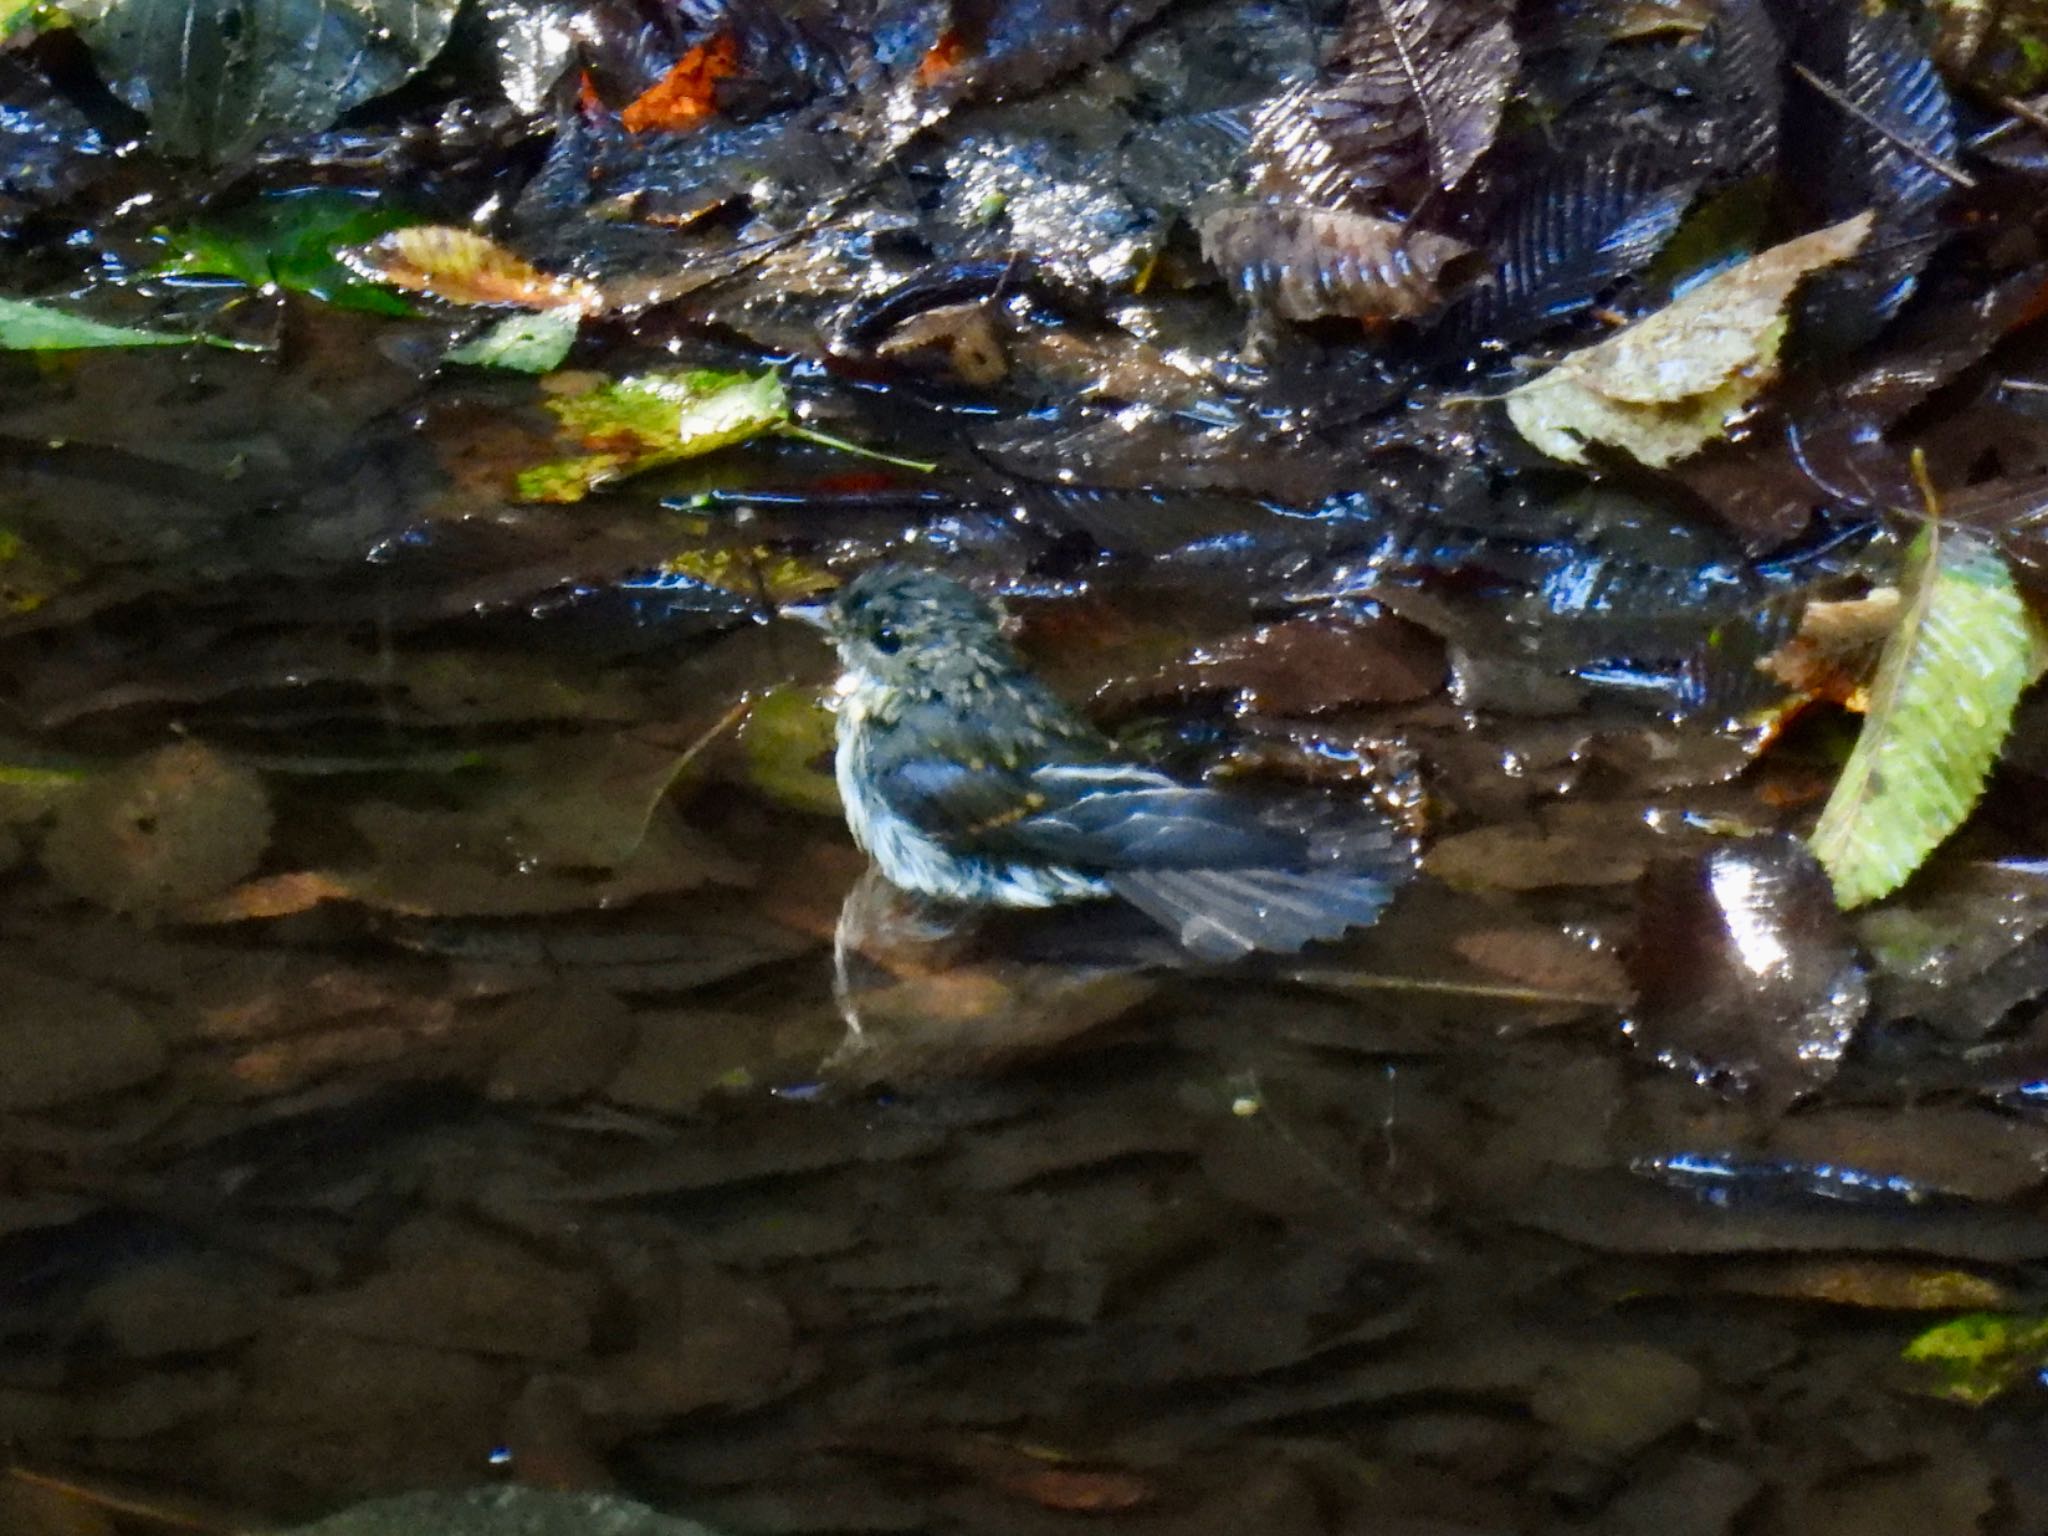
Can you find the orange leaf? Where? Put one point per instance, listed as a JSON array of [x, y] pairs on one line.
[[464, 267], [943, 57], [688, 93]]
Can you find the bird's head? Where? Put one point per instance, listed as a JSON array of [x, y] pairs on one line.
[[903, 627]]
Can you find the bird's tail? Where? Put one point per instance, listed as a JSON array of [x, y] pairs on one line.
[[1223, 914]]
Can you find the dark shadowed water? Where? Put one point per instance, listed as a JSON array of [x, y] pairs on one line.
[[419, 1062]]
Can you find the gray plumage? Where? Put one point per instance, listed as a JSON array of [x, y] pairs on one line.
[[967, 780]]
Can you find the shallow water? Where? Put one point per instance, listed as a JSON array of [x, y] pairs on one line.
[[422, 1064]]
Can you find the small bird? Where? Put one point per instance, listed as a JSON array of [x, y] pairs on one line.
[[966, 779]]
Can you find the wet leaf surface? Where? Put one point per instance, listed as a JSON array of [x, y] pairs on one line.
[[450, 1037]]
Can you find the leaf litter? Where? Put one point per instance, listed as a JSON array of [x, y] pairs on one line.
[[426, 889]]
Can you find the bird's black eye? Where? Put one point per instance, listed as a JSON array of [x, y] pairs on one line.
[[887, 641]]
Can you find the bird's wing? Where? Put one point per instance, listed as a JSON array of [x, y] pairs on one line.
[[1114, 815], [1088, 812]]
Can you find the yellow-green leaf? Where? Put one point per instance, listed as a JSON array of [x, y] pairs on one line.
[[1950, 675], [1673, 382], [26, 327], [1973, 1358], [650, 419]]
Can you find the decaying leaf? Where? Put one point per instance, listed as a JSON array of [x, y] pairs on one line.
[[1949, 678], [1836, 648], [464, 267], [1672, 383], [176, 826], [650, 419], [1305, 263], [1427, 79], [1975, 1358], [1869, 126], [687, 94]]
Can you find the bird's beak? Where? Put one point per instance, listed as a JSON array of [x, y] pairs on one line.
[[817, 615]]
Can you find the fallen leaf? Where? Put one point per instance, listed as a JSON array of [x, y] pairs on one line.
[[216, 77], [646, 420], [1977, 1357], [176, 826], [1305, 263], [1675, 381], [688, 93], [1884, 1284], [26, 327], [535, 343], [291, 242], [464, 267], [1965, 647], [1836, 648], [1433, 73]]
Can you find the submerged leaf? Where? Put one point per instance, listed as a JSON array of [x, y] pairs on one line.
[[534, 343], [1951, 674], [1672, 383], [1974, 1358], [291, 242], [1306, 263], [178, 825], [26, 327], [215, 77], [464, 267], [650, 419]]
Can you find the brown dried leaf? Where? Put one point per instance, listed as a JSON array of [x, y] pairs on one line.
[[1305, 263], [1548, 960], [179, 825], [1835, 651], [463, 267], [1428, 80]]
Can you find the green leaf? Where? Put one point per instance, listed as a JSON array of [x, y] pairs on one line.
[[215, 77], [1973, 1358], [788, 738], [15, 13], [289, 242], [26, 327], [534, 343], [1947, 682], [647, 420]]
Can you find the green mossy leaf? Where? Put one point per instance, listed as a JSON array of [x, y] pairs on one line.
[[647, 420], [1947, 682], [1974, 1358]]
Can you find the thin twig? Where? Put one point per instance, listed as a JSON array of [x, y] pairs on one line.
[[1920, 152]]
